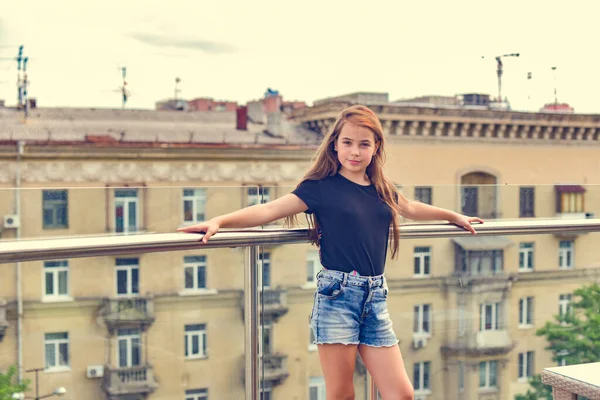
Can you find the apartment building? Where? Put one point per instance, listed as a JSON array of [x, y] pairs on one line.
[[170, 325]]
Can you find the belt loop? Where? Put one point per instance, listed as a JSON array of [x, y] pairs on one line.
[[345, 281]]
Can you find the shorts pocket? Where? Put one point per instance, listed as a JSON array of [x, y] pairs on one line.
[[330, 289]]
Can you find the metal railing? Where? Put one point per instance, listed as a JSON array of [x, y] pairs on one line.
[[75, 247]]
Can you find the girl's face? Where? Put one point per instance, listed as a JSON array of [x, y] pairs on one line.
[[355, 147]]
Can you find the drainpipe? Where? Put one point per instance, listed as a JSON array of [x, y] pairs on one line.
[[20, 148]]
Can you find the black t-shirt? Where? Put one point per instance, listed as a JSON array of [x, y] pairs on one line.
[[354, 223]]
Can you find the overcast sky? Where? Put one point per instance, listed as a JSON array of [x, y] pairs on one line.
[[310, 49]]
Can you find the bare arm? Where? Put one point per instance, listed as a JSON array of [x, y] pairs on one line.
[[260, 214]]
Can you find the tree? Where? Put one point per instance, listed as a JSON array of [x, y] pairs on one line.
[[574, 337], [9, 384]]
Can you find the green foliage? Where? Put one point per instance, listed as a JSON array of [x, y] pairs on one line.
[[574, 337], [9, 384]]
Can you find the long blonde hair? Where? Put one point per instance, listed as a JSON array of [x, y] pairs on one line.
[[326, 163]]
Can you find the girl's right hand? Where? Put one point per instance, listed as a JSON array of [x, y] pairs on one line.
[[209, 228]]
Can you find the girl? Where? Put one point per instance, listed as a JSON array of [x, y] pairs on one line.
[[350, 206]]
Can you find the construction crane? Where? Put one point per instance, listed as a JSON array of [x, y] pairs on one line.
[[499, 72]]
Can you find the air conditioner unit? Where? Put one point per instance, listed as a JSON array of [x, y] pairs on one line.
[[419, 343], [11, 221], [95, 371]]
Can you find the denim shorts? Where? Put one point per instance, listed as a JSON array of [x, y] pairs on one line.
[[351, 309]]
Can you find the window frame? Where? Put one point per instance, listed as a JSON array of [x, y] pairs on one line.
[[495, 316], [566, 254], [129, 335], [56, 343], [525, 365], [422, 257], [54, 204], [526, 312], [526, 257], [262, 195], [198, 196], [189, 334], [126, 201], [264, 258], [55, 271], [313, 256], [490, 380], [424, 368], [317, 382], [129, 269], [419, 320], [201, 262], [424, 194], [527, 202], [196, 394]]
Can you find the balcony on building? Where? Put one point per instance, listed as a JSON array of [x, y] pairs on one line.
[[272, 304], [136, 312], [480, 256], [570, 204], [3, 321], [128, 382]]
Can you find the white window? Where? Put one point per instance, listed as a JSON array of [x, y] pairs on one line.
[[564, 305], [128, 277], [461, 375], [422, 319], [266, 394], [313, 266], [56, 279], [195, 341], [526, 257], [194, 205], [422, 261], [56, 347], [266, 342], [258, 195], [264, 267], [565, 254], [129, 351], [126, 210], [562, 357], [194, 268], [488, 374], [489, 316], [55, 209], [526, 312], [421, 374], [525, 365], [317, 388], [196, 394]]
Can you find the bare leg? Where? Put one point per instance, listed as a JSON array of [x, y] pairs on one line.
[[386, 366], [337, 362]]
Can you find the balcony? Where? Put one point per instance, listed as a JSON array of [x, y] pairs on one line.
[[275, 368], [3, 322], [489, 343], [135, 312], [123, 383], [272, 304]]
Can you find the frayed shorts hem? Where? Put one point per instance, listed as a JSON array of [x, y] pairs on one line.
[[359, 343]]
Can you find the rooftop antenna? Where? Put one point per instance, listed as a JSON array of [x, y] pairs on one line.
[[124, 92], [177, 90], [555, 95]]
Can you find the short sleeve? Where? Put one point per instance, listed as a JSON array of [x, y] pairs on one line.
[[309, 192]]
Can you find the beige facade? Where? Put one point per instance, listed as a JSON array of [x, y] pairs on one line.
[[109, 304]]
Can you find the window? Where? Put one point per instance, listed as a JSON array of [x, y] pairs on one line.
[[258, 195], [488, 374], [564, 305], [422, 260], [195, 341], [194, 205], [422, 319], [129, 348], [317, 388], [128, 277], [196, 394], [461, 375], [525, 365], [569, 198], [565, 254], [56, 279], [311, 338], [469, 200], [194, 272], [526, 257], [264, 261], [562, 357], [423, 194], [489, 316], [313, 266], [55, 209], [526, 312], [126, 210], [526, 202], [56, 346], [266, 344], [478, 262], [421, 373], [266, 394]]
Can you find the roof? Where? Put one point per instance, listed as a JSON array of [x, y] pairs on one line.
[[75, 124]]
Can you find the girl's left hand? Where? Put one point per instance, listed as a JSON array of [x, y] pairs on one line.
[[465, 222]]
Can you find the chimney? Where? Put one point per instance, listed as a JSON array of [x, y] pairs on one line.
[[242, 118], [274, 124]]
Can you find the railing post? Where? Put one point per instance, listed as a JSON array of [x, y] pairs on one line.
[[251, 329]]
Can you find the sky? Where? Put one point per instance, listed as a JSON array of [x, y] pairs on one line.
[[236, 49]]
